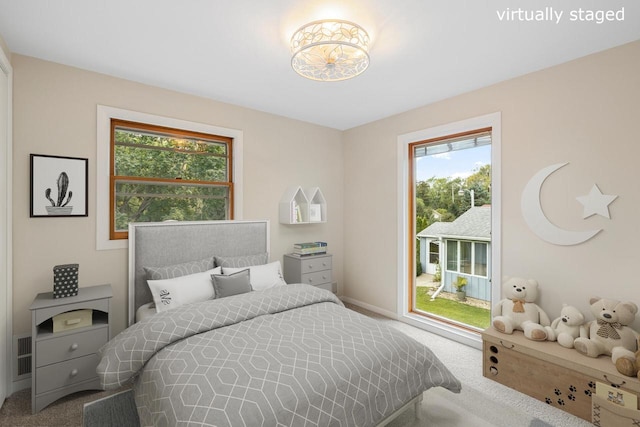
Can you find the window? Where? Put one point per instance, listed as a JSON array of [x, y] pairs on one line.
[[434, 253], [473, 257], [160, 173], [452, 255], [465, 258], [480, 259], [445, 139]]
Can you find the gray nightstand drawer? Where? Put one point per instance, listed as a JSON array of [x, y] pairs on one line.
[[70, 346], [314, 264], [66, 373], [317, 278]]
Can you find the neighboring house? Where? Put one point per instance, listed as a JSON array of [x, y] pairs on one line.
[[461, 248]]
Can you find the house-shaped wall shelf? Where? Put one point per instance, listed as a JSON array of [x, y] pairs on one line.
[[317, 205], [298, 206]]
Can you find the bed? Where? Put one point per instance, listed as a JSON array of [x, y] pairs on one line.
[[274, 355]]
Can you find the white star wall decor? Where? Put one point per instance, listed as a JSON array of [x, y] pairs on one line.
[[596, 203]]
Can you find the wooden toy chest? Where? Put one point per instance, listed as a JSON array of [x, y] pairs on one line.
[[547, 371]]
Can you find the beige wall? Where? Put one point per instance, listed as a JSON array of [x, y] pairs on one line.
[[55, 114], [584, 112]]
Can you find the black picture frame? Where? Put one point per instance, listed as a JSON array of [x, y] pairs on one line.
[[59, 186]]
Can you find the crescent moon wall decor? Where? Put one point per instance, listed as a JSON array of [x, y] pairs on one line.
[[536, 220]]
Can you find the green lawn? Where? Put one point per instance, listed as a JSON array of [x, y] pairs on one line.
[[454, 310]]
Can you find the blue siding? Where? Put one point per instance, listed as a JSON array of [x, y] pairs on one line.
[[477, 287]]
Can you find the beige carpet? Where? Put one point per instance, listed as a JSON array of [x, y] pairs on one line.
[[16, 411], [466, 363]]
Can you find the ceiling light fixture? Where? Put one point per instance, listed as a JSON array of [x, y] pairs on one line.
[[330, 50]]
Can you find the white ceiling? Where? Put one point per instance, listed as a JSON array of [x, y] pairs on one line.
[[236, 51]]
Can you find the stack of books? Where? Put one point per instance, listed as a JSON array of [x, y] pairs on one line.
[[309, 249]]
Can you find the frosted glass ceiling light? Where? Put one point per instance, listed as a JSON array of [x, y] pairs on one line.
[[330, 50]]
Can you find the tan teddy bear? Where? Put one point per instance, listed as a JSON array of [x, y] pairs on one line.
[[630, 368], [609, 333]]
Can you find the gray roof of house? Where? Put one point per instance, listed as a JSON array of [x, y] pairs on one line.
[[474, 223]]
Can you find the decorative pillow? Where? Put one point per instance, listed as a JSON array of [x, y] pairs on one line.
[[261, 276], [171, 293], [231, 284], [177, 270], [242, 261]]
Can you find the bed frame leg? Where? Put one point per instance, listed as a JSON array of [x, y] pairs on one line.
[[416, 407]]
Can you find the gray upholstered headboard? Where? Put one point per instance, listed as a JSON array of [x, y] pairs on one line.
[[158, 244]]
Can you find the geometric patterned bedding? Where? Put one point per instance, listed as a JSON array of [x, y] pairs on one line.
[[286, 356]]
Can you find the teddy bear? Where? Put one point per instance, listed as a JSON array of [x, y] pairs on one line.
[[609, 333], [566, 328], [630, 368], [519, 311]]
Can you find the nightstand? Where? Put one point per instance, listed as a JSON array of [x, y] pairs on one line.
[[313, 270], [65, 362]]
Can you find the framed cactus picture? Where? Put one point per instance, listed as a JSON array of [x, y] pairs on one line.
[[59, 186]]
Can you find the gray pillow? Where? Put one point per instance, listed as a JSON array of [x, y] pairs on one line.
[[232, 284], [242, 261], [179, 270]]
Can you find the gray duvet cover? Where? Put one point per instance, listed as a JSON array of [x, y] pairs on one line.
[[286, 356]]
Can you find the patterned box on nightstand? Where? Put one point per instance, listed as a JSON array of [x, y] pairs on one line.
[[65, 280]]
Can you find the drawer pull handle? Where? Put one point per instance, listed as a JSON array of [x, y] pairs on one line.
[[73, 321], [73, 347], [310, 280], [507, 346], [74, 373], [614, 384], [310, 266]]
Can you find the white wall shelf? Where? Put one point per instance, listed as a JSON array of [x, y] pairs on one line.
[[299, 206]]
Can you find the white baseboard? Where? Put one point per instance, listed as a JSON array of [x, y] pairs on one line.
[[462, 336], [370, 307]]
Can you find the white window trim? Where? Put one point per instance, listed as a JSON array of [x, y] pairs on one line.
[[103, 166], [492, 120]]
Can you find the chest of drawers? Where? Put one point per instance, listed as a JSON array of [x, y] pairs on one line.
[[65, 362], [313, 270], [559, 376]]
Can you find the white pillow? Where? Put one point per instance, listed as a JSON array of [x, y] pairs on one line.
[[261, 276], [171, 293]]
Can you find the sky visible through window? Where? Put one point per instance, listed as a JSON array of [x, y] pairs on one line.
[[454, 164]]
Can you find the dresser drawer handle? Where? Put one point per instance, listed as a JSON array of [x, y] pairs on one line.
[[310, 280], [74, 373], [73, 347], [310, 266]]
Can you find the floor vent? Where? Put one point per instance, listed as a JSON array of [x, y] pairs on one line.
[[21, 357]]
